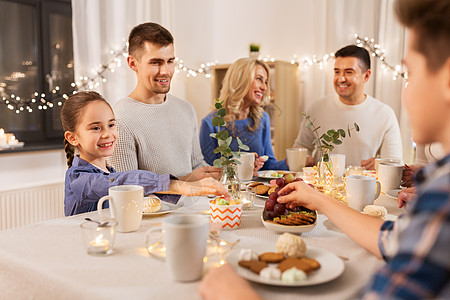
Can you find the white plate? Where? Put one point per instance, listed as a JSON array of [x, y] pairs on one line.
[[390, 217], [393, 193], [280, 228], [331, 266], [266, 174], [165, 208], [261, 196]]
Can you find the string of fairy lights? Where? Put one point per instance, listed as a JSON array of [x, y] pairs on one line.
[[56, 97]]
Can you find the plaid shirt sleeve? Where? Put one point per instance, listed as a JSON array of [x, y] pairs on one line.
[[416, 247]]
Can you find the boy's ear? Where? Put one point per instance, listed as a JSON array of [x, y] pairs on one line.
[[447, 79], [71, 138]]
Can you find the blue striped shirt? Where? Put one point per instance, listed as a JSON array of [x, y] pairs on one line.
[[416, 246]]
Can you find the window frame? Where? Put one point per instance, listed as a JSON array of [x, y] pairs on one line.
[[46, 135]]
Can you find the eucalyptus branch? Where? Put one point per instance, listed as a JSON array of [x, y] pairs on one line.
[[224, 139], [332, 136]]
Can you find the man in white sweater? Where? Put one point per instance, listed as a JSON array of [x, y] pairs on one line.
[[379, 131], [157, 131]]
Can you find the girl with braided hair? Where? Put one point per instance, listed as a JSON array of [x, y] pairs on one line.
[[90, 135]]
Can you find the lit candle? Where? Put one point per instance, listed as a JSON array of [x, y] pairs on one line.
[[99, 245], [13, 141], [2, 137]]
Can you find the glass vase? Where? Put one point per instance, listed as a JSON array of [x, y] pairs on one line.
[[325, 170], [230, 180]]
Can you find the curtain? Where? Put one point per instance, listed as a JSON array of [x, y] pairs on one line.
[[102, 26]]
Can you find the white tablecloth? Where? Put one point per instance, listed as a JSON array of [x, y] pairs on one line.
[[47, 261]]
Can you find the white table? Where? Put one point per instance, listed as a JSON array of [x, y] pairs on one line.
[[47, 261]]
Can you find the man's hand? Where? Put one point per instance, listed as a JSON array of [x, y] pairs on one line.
[[203, 172], [368, 164], [309, 161]]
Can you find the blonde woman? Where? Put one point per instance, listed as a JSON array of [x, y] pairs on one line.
[[245, 88]]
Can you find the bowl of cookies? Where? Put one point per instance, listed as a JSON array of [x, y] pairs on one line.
[[277, 217], [298, 220]]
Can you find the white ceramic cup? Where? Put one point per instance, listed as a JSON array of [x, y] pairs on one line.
[[126, 203], [185, 239], [246, 166], [361, 191], [390, 176], [296, 158], [338, 162], [386, 160]]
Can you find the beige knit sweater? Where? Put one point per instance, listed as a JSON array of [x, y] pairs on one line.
[[162, 138]]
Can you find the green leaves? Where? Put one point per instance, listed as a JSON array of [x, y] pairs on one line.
[[222, 135], [241, 145], [218, 121], [330, 137], [224, 139], [222, 112]]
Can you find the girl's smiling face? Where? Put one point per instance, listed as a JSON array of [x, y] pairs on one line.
[[96, 133]]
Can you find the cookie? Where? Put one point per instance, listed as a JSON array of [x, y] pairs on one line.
[[254, 265], [293, 262], [272, 189], [312, 262], [262, 189], [271, 257], [254, 184], [245, 263], [295, 219]]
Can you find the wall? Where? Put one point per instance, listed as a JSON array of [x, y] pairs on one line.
[[29, 169]]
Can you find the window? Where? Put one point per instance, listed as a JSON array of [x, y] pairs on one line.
[[36, 55]]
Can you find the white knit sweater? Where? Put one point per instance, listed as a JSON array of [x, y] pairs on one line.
[[162, 138], [379, 131]]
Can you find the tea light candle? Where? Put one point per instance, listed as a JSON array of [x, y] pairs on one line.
[[2, 137], [13, 140], [99, 245]]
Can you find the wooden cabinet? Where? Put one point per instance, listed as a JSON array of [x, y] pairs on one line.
[[285, 105]]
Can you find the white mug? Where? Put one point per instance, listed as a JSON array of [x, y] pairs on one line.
[[185, 238], [361, 191], [390, 176], [246, 166], [338, 162], [296, 158], [126, 203], [386, 160]]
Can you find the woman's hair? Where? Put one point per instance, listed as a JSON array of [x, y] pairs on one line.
[[236, 84], [70, 115]]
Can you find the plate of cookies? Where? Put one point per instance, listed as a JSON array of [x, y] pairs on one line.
[[262, 190], [153, 206], [289, 263], [273, 174]]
